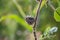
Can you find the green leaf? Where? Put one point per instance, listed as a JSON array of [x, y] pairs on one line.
[[47, 30], [57, 14], [43, 3], [18, 19]]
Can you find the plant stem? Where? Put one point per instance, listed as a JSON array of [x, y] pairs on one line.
[[34, 27], [53, 8], [49, 3]]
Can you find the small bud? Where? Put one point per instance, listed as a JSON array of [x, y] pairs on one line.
[[30, 20], [53, 29]]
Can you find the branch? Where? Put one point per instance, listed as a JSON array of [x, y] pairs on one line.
[[53, 8], [34, 27], [49, 3]]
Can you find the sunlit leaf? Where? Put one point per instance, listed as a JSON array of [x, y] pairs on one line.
[[43, 3], [57, 14], [18, 19], [47, 30]]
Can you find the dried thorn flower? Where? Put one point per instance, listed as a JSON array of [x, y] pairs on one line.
[[30, 20]]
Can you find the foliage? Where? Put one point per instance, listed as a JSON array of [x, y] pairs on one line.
[[13, 13], [57, 14]]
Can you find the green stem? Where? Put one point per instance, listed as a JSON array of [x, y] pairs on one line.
[[53, 8]]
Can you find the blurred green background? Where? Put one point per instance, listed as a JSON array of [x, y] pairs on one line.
[[13, 25]]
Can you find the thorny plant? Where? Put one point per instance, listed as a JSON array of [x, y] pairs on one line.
[[35, 20], [31, 20]]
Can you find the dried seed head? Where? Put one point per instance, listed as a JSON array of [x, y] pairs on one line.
[[30, 20]]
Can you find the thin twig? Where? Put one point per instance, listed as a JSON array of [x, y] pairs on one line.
[[49, 3], [53, 8], [34, 27]]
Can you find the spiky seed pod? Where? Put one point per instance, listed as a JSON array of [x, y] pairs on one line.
[[30, 20]]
